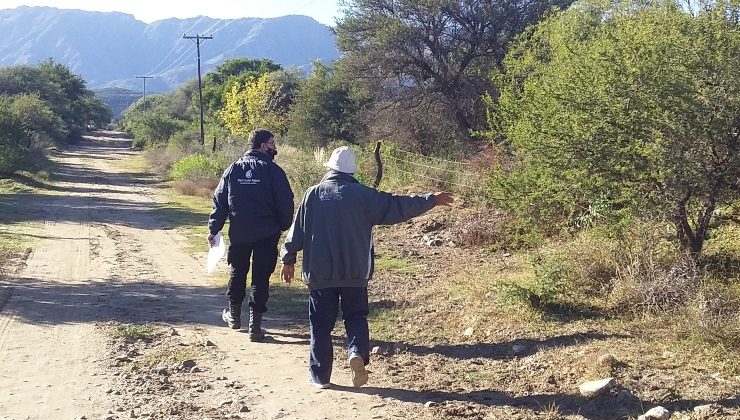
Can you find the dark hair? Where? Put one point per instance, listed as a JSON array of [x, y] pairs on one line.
[[259, 136]]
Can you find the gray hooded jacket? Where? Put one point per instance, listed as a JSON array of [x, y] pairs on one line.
[[333, 227]]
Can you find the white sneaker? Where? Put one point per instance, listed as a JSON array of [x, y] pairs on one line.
[[359, 373], [318, 385]]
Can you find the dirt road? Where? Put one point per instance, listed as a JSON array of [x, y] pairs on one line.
[[102, 255]]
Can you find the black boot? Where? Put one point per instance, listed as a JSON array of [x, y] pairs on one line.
[[255, 326], [233, 315]]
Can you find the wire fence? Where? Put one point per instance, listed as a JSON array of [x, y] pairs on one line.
[[404, 168]]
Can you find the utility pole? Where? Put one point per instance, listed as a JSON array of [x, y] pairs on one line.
[[197, 39], [144, 77]]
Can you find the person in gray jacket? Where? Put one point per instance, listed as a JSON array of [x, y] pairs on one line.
[[333, 226]]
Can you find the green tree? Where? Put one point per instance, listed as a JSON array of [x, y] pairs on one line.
[[260, 102], [39, 120], [235, 71], [13, 137], [431, 54], [325, 109], [632, 106], [63, 91]]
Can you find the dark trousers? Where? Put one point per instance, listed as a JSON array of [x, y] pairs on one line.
[[263, 254], [323, 307]]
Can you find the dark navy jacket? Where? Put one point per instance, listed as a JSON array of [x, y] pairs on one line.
[[255, 195], [334, 224]]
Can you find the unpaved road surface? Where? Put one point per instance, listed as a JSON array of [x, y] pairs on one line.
[[102, 256]]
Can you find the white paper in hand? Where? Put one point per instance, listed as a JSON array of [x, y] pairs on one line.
[[217, 251]]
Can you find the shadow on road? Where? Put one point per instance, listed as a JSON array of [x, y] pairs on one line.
[[604, 407]]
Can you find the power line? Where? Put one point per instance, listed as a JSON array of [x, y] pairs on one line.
[[183, 58], [174, 47], [198, 39]]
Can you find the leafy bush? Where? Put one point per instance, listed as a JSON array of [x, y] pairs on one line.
[[607, 106], [198, 167], [548, 287], [13, 137]]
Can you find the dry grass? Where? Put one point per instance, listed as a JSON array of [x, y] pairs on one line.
[[202, 188]]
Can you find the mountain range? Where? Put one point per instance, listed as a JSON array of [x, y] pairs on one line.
[[110, 49]]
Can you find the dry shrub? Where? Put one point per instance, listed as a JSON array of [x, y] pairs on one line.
[[479, 227], [652, 274], [161, 159], [591, 263], [200, 188], [713, 314]]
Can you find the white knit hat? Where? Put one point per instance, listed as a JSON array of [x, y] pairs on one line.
[[342, 160]]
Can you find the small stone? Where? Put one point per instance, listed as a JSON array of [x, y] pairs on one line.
[[194, 369], [209, 343], [375, 350], [187, 364], [593, 388], [702, 408], [225, 402], [430, 404], [132, 414], [243, 408], [656, 413], [468, 332], [607, 360]]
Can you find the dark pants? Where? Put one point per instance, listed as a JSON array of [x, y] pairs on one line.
[[264, 255], [323, 307]]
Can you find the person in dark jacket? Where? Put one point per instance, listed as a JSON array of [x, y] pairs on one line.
[[255, 196], [333, 227]]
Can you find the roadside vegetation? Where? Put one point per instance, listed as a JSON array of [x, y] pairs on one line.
[[595, 144], [594, 148]]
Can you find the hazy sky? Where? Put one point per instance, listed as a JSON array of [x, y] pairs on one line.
[[148, 11]]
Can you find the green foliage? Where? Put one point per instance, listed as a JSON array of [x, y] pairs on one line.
[[38, 118], [426, 61], [232, 72], [153, 128], [611, 110], [198, 167], [42, 104], [133, 332], [13, 137], [548, 288], [260, 102], [325, 110]]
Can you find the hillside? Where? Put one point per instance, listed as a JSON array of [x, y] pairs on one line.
[[111, 49]]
